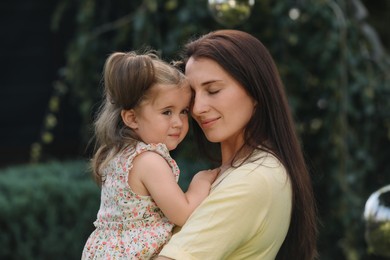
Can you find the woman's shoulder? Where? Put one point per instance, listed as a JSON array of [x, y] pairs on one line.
[[263, 171], [263, 162]]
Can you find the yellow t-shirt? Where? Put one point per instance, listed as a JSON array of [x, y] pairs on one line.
[[246, 216]]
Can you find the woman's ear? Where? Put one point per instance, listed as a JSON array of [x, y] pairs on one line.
[[129, 118]]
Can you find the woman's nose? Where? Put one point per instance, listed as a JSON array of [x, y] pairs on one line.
[[199, 105]]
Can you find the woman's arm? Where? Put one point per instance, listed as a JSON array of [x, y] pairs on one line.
[[156, 176]]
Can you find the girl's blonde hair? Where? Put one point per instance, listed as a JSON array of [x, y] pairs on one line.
[[127, 78]]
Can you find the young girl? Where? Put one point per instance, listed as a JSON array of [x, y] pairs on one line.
[[144, 115]]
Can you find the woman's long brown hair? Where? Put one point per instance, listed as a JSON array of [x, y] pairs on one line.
[[246, 59]]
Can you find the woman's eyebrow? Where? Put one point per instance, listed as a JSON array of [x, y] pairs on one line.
[[209, 82]]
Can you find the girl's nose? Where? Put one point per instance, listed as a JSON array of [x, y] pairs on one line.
[[177, 121]]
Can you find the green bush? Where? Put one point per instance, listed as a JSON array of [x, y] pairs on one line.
[[46, 211]]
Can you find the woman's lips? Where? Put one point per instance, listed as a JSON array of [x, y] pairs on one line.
[[205, 123]]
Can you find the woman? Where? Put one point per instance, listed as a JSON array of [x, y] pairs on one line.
[[261, 205]]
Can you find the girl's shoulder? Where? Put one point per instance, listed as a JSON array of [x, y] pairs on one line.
[[131, 152], [159, 148], [140, 147]]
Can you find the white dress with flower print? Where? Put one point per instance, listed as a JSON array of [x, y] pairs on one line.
[[128, 225]]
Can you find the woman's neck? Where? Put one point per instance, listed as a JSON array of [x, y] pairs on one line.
[[233, 153]]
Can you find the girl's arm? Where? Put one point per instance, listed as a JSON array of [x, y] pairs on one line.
[[155, 175]]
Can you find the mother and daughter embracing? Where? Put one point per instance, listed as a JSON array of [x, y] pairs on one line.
[[257, 203]]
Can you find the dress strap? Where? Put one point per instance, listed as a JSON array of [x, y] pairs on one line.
[[159, 148]]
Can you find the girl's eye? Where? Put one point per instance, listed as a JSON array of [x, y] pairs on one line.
[[168, 112], [185, 111]]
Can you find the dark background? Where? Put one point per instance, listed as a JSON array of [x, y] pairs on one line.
[[31, 55]]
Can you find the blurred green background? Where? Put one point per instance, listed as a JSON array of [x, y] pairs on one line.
[[333, 58]]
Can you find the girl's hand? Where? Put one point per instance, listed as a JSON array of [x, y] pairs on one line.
[[207, 175]]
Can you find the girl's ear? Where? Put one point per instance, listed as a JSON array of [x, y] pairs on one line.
[[129, 118]]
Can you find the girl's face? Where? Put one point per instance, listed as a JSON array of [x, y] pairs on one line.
[[163, 117], [221, 107]]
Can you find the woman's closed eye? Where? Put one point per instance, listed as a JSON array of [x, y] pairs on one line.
[[213, 91]]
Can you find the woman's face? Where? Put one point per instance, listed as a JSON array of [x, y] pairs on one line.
[[221, 107]]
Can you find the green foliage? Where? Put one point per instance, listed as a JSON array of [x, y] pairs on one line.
[[379, 238], [337, 85], [46, 211]]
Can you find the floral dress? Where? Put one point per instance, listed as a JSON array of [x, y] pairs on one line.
[[128, 225]]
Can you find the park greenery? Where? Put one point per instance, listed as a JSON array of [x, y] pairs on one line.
[[336, 72]]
